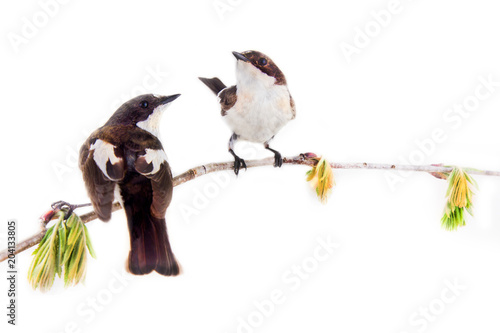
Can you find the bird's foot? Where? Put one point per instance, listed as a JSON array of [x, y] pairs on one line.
[[278, 160], [238, 164]]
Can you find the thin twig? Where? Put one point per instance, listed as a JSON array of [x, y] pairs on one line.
[[297, 160]]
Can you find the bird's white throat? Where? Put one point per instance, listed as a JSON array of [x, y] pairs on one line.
[[152, 123], [250, 77]]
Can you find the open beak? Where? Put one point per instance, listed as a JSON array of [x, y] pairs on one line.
[[240, 56], [168, 99]]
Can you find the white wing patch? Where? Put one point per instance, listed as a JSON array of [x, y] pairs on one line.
[[155, 156], [104, 152]]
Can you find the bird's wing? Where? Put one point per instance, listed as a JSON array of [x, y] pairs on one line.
[[214, 84], [227, 99], [152, 163], [102, 165]]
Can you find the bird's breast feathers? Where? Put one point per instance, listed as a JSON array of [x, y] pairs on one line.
[[259, 114]]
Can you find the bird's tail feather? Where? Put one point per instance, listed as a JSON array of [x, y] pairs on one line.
[[149, 245], [214, 84]]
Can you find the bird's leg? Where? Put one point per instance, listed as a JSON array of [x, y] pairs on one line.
[[238, 162], [58, 205], [278, 161]]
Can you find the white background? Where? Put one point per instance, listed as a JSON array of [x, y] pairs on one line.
[[238, 245]]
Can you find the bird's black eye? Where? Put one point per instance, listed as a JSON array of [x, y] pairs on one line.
[[144, 104], [262, 61]]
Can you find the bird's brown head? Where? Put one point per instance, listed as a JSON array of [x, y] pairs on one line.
[[140, 109], [263, 63]]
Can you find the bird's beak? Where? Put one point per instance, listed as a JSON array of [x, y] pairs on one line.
[[240, 56], [168, 99]]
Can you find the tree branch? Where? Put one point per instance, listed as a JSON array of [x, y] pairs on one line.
[[302, 159]]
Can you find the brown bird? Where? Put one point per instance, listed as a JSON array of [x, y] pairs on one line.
[[258, 106], [124, 160]]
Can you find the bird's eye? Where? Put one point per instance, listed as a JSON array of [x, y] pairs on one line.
[[262, 61], [144, 104]]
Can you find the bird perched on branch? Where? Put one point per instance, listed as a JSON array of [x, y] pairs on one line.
[[124, 160], [258, 106]]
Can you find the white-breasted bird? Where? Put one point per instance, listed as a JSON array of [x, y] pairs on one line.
[[258, 106]]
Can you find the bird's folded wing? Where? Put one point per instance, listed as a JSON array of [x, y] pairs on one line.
[[227, 98], [102, 165], [152, 163]]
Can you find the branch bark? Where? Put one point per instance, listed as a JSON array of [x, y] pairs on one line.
[[296, 160]]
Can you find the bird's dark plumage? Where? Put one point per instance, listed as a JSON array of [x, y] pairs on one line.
[[214, 84], [227, 96], [124, 157]]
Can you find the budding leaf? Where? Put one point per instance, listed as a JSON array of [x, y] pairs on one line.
[[459, 198], [62, 251], [321, 178]]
